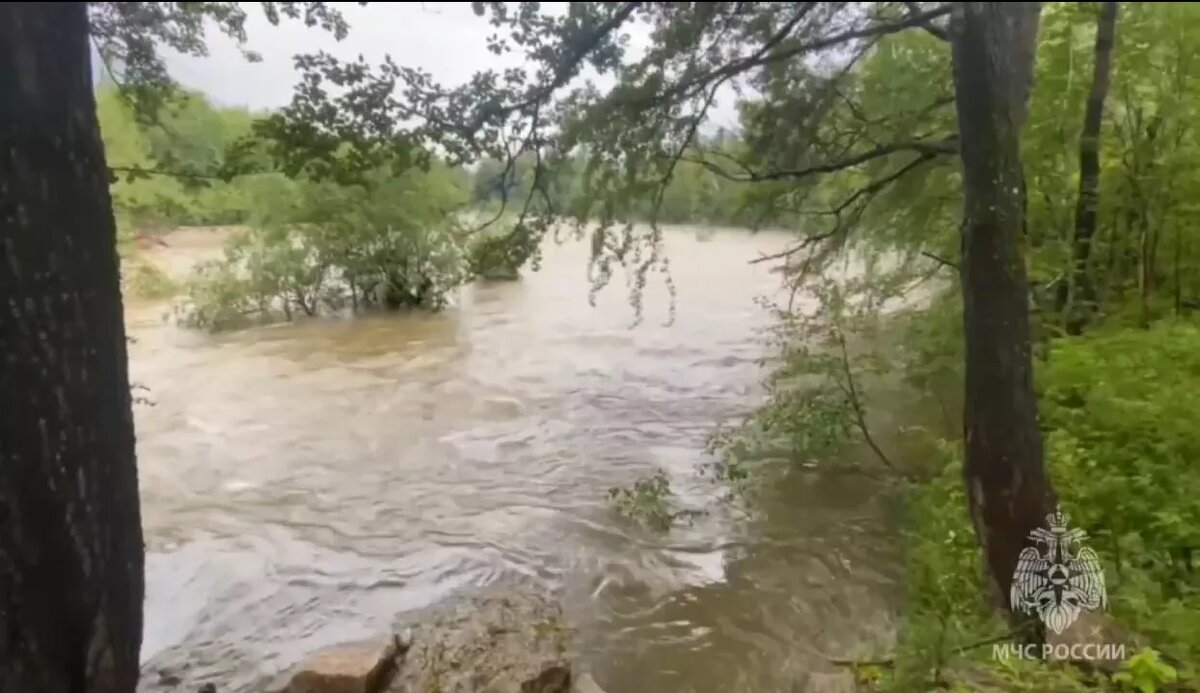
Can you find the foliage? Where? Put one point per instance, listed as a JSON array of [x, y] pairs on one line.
[[695, 194], [136, 202], [825, 374], [649, 502], [129, 36], [144, 279], [846, 126], [319, 246], [167, 174], [1145, 672], [498, 256], [1121, 446], [634, 152], [1118, 408]]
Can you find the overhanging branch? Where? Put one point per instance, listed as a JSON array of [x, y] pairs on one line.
[[926, 148], [863, 194], [568, 68], [762, 58], [932, 29]]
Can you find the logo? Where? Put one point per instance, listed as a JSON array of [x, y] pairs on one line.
[[1058, 576]]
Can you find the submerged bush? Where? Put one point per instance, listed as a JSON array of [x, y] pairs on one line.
[[648, 501], [144, 279], [319, 247]]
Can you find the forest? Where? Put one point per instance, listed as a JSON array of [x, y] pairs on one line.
[[993, 210]]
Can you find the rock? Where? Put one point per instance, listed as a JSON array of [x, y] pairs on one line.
[[497, 641], [360, 667]]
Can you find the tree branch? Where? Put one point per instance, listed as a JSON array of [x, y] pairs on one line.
[[928, 26], [940, 260], [142, 171], [685, 88], [567, 69], [760, 59], [857, 407], [927, 149], [868, 191], [879, 184]]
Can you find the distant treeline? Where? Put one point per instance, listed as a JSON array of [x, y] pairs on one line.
[[172, 173]]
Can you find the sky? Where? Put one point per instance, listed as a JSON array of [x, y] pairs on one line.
[[447, 39]]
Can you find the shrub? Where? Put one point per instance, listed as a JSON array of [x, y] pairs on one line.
[[316, 247]]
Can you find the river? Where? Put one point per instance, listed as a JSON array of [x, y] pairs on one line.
[[303, 483]]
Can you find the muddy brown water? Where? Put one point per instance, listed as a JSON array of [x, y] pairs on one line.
[[303, 483]]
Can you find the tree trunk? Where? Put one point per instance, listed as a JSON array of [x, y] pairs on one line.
[[1148, 247], [1008, 491], [1082, 298], [1178, 277], [70, 532]]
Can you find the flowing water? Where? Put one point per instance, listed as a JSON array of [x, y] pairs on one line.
[[303, 483]]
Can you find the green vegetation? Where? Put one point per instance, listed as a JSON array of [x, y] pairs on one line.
[[320, 246], [995, 213], [1117, 437], [326, 236], [696, 194], [1071, 266], [648, 501], [144, 279], [171, 173], [1113, 334]]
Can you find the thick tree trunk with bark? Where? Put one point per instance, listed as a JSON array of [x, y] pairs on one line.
[[1008, 490], [1082, 299], [70, 532]]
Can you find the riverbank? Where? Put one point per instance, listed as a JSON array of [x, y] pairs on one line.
[[1114, 409], [1120, 450]]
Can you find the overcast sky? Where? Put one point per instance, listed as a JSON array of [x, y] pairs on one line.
[[447, 39]]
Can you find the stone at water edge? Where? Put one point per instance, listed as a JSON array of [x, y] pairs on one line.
[[361, 667], [496, 641]]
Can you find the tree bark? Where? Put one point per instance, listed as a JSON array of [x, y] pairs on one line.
[[71, 549], [1082, 299], [1008, 491]]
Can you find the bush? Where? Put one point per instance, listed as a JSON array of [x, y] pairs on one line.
[[143, 279], [1120, 413], [317, 247]]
